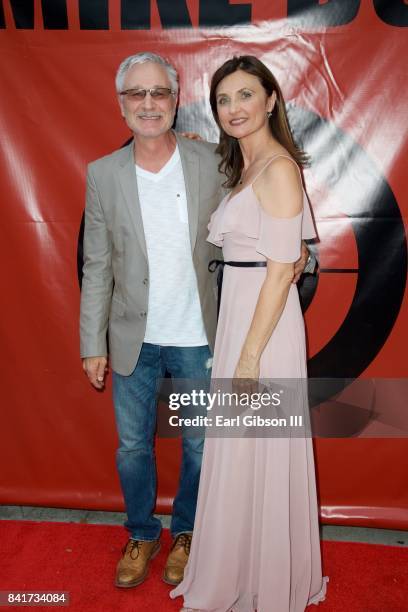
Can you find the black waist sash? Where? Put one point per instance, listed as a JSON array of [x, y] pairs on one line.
[[219, 263]]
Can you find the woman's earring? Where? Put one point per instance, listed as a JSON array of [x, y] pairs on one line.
[[269, 114]]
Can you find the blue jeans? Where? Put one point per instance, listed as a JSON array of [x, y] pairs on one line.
[[135, 400]]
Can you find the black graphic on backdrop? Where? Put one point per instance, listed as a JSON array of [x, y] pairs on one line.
[[137, 14]]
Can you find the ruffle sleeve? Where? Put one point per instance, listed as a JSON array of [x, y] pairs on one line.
[[276, 238], [215, 236], [279, 238], [308, 226]]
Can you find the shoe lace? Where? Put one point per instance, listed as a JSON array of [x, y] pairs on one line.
[[130, 547], [184, 540]]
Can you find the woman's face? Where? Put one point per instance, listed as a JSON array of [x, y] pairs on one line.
[[242, 104]]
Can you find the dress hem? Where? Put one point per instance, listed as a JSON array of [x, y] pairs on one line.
[[321, 595], [314, 600]]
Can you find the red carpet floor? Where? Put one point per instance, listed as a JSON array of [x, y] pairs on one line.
[[81, 559]]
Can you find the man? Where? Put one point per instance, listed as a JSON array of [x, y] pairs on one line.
[[146, 279]]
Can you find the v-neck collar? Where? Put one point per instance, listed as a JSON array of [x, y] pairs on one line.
[[164, 171]]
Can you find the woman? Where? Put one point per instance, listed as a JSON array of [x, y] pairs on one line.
[[256, 540]]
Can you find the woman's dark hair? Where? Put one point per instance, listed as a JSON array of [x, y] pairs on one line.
[[231, 157]]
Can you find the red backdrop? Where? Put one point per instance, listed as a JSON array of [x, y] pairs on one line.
[[341, 69]]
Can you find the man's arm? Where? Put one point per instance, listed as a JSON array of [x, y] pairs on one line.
[[95, 368], [97, 286], [306, 263]]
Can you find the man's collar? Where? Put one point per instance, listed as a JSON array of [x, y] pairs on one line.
[[127, 152]]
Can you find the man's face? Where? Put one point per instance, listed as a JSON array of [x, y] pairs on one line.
[[149, 117]]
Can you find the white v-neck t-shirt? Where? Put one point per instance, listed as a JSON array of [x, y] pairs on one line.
[[174, 315]]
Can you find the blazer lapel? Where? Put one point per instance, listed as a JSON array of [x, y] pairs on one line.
[[190, 165], [128, 183]]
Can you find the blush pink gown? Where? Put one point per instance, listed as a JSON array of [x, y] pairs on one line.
[[256, 539]]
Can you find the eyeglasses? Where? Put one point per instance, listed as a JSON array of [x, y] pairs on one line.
[[157, 93]]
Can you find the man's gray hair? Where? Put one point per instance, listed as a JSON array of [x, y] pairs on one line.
[[141, 58]]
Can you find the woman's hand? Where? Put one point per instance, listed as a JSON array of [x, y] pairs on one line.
[[247, 368], [246, 376], [192, 135]]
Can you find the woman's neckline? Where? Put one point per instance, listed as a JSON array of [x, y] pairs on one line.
[[250, 186], [231, 196], [269, 160]]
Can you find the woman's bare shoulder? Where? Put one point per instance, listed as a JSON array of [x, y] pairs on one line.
[[279, 187]]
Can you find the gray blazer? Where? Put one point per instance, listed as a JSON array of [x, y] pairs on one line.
[[115, 282]]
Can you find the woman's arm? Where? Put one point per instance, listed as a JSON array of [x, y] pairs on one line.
[[270, 305], [279, 191]]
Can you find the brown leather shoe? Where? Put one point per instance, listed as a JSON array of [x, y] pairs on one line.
[[177, 559], [133, 567]]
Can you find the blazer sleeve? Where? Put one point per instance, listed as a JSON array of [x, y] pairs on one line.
[[97, 282]]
